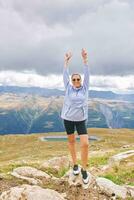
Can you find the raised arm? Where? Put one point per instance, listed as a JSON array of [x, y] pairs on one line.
[[66, 78], [86, 69], [86, 76]]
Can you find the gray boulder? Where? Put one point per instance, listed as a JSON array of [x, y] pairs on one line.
[[28, 192], [32, 175]]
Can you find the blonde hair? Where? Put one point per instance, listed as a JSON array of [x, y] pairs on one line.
[[75, 74]]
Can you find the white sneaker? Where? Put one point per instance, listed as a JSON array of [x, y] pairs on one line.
[[76, 169], [85, 176]]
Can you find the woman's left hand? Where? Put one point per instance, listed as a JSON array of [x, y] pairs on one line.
[[84, 55]]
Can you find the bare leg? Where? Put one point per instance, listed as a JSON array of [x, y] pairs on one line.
[[84, 150], [71, 145]]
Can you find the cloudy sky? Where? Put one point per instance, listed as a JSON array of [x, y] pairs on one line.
[[35, 34]]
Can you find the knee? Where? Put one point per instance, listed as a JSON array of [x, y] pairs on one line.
[[71, 141], [85, 144]]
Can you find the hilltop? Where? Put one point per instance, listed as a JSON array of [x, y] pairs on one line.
[[18, 151]]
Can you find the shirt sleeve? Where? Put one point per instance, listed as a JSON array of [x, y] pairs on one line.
[[66, 78], [86, 76]]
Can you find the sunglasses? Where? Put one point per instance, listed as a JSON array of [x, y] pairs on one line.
[[74, 79]]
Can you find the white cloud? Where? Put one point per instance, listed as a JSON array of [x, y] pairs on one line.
[[34, 35], [114, 83], [27, 79]]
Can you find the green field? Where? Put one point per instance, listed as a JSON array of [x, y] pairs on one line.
[[22, 150]]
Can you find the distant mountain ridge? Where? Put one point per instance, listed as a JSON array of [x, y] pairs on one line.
[[23, 113], [56, 92]]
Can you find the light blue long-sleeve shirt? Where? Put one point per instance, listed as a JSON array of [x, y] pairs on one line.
[[75, 105]]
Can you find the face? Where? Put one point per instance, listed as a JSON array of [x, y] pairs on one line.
[[76, 80]]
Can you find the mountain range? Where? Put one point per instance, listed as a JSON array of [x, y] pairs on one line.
[[56, 92], [37, 110]]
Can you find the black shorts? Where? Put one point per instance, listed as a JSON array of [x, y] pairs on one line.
[[80, 126]]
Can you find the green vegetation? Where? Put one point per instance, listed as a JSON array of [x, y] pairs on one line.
[[29, 150]]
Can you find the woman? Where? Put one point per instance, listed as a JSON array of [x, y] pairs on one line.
[[75, 113]]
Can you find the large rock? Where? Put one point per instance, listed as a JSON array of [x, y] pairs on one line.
[[121, 156], [110, 188], [56, 163], [106, 186], [130, 190], [77, 180], [28, 192], [32, 175]]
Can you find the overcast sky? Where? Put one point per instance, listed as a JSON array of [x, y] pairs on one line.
[[35, 34]]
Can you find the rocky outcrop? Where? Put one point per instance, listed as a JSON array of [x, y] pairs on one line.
[[100, 186], [110, 188], [30, 174], [77, 180], [121, 156], [28, 192], [56, 163], [69, 186], [116, 159]]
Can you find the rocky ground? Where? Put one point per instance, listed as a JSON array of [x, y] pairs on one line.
[[39, 184], [31, 169]]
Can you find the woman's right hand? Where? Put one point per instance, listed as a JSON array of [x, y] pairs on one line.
[[67, 57]]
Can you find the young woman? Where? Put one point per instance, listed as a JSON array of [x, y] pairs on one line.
[[75, 113]]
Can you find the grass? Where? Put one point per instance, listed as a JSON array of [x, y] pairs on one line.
[[98, 160], [23, 150], [120, 178], [122, 173], [56, 173]]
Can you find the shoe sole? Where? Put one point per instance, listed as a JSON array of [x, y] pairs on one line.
[[86, 182]]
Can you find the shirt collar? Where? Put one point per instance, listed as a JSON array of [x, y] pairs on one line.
[[76, 87]]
